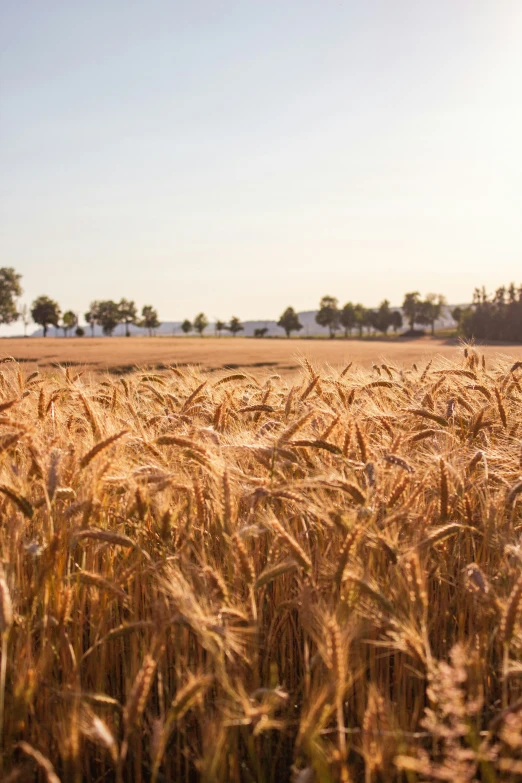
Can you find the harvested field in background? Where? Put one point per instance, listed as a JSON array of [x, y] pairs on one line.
[[120, 355], [224, 579]]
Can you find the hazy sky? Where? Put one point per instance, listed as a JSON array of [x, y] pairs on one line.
[[239, 157]]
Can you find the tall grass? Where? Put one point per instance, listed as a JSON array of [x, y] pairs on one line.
[[226, 580]]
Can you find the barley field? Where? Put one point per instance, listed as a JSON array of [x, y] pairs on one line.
[[218, 577]]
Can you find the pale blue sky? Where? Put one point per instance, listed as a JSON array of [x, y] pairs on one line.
[[239, 157]]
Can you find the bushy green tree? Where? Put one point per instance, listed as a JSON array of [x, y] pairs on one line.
[[186, 326], [328, 314], [10, 289], [149, 319], [360, 317], [471, 325], [200, 323], [396, 321], [456, 314], [45, 312], [235, 326], [69, 321], [370, 320], [128, 314], [383, 317], [219, 326], [108, 316], [91, 316], [347, 318], [412, 307], [289, 321], [431, 310]]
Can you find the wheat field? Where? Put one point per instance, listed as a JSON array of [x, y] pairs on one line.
[[228, 579], [120, 355]]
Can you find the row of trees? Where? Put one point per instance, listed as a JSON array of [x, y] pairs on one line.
[[496, 317], [355, 316], [106, 314], [289, 321], [200, 323], [46, 312], [417, 311], [348, 318], [109, 314]]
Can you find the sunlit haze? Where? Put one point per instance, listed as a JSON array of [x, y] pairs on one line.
[[239, 157]]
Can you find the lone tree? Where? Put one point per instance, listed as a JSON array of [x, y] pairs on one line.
[[69, 321], [108, 316], [235, 326], [347, 318], [219, 326], [10, 288], [412, 308], [200, 323], [45, 312], [128, 314], [186, 326], [290, 322], [149, 318], [91, 316], [328, 314]]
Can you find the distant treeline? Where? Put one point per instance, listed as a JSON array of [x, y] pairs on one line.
[[46, 312], [347, 319], [488, 317], [357, 317], [496, 317]]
